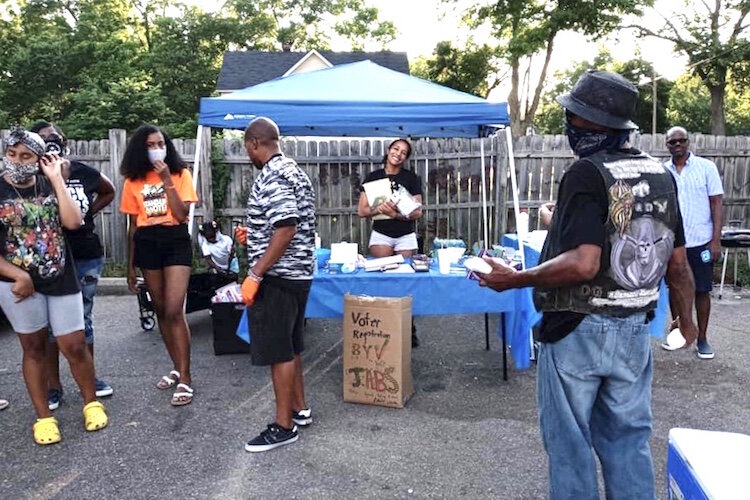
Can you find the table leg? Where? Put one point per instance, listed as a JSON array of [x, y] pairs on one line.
[[723, 272], [486, 332], [505, 354]]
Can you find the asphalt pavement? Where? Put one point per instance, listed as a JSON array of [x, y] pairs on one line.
[[465, 433]]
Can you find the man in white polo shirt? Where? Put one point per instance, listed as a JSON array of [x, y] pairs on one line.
[[700, 192]]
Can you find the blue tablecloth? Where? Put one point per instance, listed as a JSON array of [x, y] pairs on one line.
[[656, 327], [433, 294]]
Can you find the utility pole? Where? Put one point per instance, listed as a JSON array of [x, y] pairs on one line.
[[653, 99]]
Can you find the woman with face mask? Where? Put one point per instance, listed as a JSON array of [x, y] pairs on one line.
[[39, 290], [157, 194]]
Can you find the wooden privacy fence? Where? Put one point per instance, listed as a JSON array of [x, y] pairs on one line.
[[451, 178], [450, 172], [541, 161]]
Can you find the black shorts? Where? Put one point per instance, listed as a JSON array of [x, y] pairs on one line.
[[157, 247], [277, 319], [703, 272]]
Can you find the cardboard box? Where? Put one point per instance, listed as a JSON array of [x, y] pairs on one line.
[[377, 350], [707, 465]]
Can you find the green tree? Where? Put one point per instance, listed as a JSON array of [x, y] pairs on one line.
[[466, 69], [184, 57], [308, 24], [524, 29], [714, 38], [690, 106], [35, 54], [93, 65]]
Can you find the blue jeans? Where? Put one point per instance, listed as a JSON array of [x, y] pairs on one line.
[[89, 271], [594, 391]]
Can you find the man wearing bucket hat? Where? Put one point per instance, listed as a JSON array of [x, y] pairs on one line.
[[615, 232]]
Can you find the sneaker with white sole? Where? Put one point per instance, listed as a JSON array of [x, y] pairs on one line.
[[272, 437], [103, 389], [303, 418], [704, 350], [54, 398]]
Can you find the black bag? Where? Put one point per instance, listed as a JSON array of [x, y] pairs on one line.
[[225, 317]]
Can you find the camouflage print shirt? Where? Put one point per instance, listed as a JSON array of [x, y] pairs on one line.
[[282, 195]]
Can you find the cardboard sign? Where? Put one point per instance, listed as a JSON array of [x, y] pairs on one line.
[[377, 350]]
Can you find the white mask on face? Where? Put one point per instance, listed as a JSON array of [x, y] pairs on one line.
[[155, 155]]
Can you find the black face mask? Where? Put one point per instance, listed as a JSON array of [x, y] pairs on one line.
[[586, 142]]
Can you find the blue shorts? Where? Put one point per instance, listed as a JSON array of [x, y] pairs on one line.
[[702, 266]]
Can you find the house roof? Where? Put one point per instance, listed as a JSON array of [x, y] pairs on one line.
[[245, 69]]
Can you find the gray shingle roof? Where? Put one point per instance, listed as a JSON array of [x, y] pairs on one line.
[[245, 69]]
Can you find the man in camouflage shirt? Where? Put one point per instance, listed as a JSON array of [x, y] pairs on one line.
[[280, 235]]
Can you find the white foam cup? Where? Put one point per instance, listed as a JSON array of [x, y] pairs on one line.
[[444, 261], [675, 340]]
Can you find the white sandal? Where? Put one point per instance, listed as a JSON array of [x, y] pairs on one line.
[[183, 395], [4, 404], [168, 381]]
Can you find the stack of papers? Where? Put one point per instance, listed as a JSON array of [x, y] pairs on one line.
[[401, 269], [378, 264], [378, 192]]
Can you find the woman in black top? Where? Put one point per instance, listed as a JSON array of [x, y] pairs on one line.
[[393, 233], [91, 191]]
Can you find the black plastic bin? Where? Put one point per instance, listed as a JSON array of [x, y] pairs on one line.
[[226, 316]]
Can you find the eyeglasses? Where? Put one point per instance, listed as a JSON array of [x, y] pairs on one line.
[[675, 142]]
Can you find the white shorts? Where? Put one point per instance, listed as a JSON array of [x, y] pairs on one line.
[[405, 242], [62, 314]]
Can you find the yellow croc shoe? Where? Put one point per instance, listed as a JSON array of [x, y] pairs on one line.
[[46, 431], [94, 416]]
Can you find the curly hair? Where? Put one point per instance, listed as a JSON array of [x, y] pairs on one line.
[[135, 163]]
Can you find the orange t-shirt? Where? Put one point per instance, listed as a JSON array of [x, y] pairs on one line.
[[147, 198]]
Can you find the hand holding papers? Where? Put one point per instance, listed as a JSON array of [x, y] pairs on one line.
[[378, 192], [404, 201]]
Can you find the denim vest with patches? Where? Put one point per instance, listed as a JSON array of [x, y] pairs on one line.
[[642, 217]]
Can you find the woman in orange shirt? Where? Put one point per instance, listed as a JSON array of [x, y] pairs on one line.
[[156, 196]]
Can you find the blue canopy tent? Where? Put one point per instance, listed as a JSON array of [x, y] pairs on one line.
[[363, 99], [360, 99]]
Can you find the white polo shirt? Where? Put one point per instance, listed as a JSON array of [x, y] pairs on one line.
[[698, 180]]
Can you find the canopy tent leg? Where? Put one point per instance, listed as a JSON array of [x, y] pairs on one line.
[[517, 212], [514, 188], [485, 225], [196, 174]]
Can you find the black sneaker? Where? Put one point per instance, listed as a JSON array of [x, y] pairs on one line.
[[303, 418], [54, 398], [273, 437], [103, 389], [704, 350]]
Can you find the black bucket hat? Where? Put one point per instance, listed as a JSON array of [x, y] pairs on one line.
[[603, 98]]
